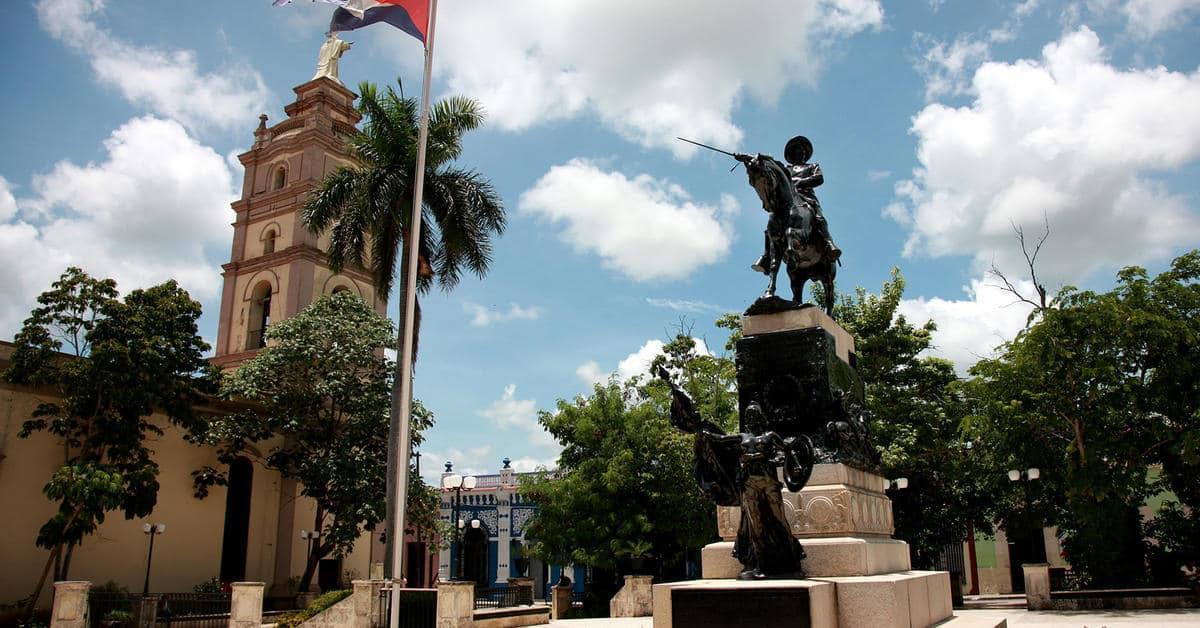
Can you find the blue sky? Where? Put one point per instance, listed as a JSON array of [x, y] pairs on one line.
[[938, 124]]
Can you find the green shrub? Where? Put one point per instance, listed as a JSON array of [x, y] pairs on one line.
[[118, 615], [324, 601], [212, 585]]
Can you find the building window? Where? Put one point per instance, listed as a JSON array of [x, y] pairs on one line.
[[269, 242], [280, 178], [260, 316]]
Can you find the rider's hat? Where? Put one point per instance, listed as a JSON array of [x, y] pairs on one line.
[[797, 150]]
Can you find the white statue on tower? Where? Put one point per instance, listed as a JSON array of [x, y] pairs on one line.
[[327, 59]]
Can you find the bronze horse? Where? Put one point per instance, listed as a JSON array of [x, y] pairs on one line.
[[792, 237]]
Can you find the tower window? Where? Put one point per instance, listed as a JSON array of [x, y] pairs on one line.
[[260, 316], [269, 242], [280, 178]]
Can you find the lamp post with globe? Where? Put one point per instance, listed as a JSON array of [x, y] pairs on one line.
[[459, 484]]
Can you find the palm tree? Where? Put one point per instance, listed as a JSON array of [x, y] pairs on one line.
[[368, 208]]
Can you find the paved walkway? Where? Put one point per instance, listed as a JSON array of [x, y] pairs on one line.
[[1016, 618]]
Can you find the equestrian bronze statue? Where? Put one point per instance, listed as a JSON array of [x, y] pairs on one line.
[[797, 234]]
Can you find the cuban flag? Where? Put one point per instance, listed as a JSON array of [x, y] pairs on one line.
[[280, 3], [410, 16]]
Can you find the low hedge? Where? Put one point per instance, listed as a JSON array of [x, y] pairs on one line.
[[324, 601]]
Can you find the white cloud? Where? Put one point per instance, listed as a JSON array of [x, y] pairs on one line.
[[643, 227], [471, 461], [1148, 18], [167, 82], [971, 328], [636, 364], [1068, 139], [482, 316], [141, 216], [685, 305], [526, 464], [8, 203], [878, 175], [508, 412], [647, 70], [945, 67], [590, 373], [1026, 8]]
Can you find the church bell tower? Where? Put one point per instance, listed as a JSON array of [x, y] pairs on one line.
[[276, 267]]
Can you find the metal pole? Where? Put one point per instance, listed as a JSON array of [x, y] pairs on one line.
[[458, 534], [149, 558], [406, 346], [974, 562]]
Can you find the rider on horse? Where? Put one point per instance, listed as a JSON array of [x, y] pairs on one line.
[[804, 177]]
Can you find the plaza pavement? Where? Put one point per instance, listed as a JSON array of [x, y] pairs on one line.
[[1015, 618]]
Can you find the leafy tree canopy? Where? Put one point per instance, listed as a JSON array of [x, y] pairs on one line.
[[318, 402], [111, 363], [624, 493], [1100, 386], [915, 420]]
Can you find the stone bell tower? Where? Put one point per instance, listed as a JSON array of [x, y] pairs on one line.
[[276, 267]]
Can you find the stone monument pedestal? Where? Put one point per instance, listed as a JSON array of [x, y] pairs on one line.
[[857, 575], [745, 604], [844, 521]]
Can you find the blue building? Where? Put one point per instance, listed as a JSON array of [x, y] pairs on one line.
[[492, 517]]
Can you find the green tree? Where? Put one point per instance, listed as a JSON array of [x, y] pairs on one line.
[[915, 422], [124, 360], [367, 208], [624, 498], [318, 405], [1097, 388]]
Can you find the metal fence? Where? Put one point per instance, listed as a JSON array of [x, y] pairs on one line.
[[118, 609], [418, 607], [503, 597], [1062, 579]]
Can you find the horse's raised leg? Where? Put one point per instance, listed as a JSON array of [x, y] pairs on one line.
[[798, 280], [773, 271], [830, 297]]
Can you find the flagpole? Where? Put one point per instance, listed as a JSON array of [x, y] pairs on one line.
[[406, 347]]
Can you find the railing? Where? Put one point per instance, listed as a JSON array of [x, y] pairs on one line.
[[503, 597], [418, 607], [117, 609], [1062, 579], [577, 598]]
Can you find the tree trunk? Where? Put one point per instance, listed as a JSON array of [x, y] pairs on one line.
[[1078, 425], [62, 567], [314, 555], [50, 561], [37, 591]]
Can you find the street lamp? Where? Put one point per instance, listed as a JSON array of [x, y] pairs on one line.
[[1030, 474], [151, 531], [459, 484], [310, 537]]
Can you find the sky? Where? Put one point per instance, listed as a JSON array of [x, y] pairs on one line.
[[941, 126]]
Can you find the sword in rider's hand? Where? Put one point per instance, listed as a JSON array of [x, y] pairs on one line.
[[743, 158]]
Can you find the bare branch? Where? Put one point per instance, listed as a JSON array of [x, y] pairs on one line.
[[1031, 262]]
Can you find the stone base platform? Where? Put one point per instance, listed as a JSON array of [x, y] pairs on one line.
[[827, 557], [900, 600], [907, 599], [738, 604]]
